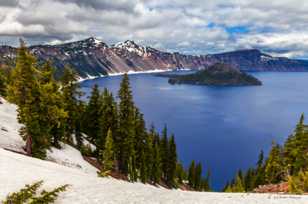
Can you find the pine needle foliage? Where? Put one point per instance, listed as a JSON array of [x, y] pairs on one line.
[[28, 195]]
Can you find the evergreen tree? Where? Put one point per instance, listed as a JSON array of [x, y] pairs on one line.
[[92, 115], [108, 118], [259, 174], [227, 188], [127, 154], [149, 152], [238, 185], [52, 106], [180, 173], [108, 152], [298, 183], [249, 180], [80, 108], [141, 138], [172, 161], [295, 149], [191, 174], [143, 168], [72, 105], [23, 78], [26, 92], [164, 152], [156, 172], [198, 177], [274, 168]]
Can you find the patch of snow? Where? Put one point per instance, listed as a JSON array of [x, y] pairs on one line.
[[97, 41], [87, 143], [9, 127], [84, 141], [70, 157], [89, 77], [17, 170], [141, 72], [10, 139], [266, 58]]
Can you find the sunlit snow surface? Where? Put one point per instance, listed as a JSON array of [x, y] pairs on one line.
[[16, 170]]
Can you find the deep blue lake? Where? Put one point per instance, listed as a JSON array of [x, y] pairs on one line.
[[223, 127]]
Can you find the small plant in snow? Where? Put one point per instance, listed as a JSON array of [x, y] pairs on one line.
[[28, 195]]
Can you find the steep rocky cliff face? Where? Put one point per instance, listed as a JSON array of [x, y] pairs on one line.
[[92, 57], [254, 60]]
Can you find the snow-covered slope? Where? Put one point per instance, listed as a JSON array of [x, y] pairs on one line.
[[9, 127], [10, 139], [17, 170], [70, 157]]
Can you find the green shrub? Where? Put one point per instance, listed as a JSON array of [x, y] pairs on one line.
[[23, 195], [28, 195], [298, 184]]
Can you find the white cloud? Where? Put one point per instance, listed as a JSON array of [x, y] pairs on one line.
[[277, 26]]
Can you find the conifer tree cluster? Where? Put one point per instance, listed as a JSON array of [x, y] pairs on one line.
[[195, 179], [124, 144], [40, 103], [287, 163], [52, 112]]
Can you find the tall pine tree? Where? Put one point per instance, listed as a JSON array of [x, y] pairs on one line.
[[172, 161], [92, 115], [72, 104], [164, 152], [274, 167], [191, 174], [108, 152], [108, 118], [127, 153], [24, 91]]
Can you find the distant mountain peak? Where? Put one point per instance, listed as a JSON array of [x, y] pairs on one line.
[[93, 57], [94, 40], [131, 46], [127, 43], [90, 42]]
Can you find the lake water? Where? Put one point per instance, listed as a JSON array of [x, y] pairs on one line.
[[223, 127]]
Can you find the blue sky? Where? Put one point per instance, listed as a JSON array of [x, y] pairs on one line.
[[279, 27]]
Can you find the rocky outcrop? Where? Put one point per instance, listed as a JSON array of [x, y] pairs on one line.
[[272, 188], [218, 74]]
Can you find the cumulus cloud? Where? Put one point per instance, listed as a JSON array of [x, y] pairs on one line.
[[279, 27], [123, 5]]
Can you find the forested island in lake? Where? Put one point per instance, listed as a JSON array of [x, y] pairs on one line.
[[219, 74]]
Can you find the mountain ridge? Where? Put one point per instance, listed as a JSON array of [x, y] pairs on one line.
[[92, 57]]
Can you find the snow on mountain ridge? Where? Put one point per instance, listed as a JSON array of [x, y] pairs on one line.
[[131, 46]]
